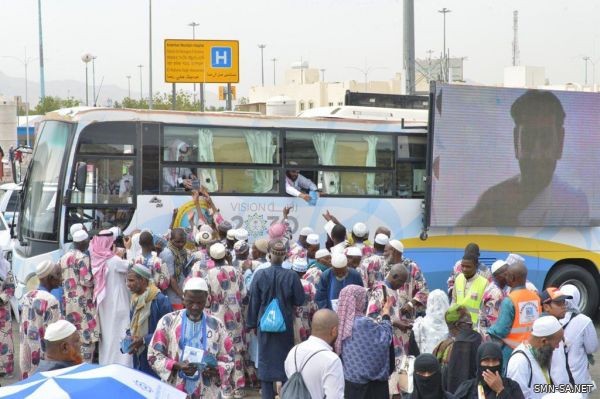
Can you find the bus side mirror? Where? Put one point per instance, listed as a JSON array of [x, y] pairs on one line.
[[80, 176]]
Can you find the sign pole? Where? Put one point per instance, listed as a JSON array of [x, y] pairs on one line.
[[174, 100], [228, 97]]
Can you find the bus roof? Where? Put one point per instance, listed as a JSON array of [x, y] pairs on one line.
[[88, 115]]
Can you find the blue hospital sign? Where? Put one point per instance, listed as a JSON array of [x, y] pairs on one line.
[[220, 57]]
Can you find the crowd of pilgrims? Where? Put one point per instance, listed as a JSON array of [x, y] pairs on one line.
[[147, 300]]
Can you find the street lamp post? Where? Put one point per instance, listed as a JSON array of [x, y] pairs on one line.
[[365, 71], [128, 86], [445, 11], [274, 61], [94, 79], [41, 57], [193, 25], [141, 91], [150, 55], [262, 67], [86, 58]]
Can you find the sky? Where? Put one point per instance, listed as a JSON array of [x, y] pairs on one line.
[[330, 34]]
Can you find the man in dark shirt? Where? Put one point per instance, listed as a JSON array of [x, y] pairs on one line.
[[333, 280]]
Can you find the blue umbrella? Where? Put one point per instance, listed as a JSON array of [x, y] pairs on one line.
[[88, 381]]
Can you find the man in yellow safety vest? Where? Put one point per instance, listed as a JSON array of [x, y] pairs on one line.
[[469, 287]]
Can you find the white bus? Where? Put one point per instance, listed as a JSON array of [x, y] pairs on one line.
[[106, 167]]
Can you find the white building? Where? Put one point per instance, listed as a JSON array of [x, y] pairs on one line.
[[303, 85], [529, 77], [8, 124]]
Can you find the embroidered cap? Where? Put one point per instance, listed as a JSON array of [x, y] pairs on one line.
[[195, 284]]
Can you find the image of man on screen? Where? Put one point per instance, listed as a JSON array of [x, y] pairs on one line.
[[536, 196]]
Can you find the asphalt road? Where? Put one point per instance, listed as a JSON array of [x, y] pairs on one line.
[[595, 370]]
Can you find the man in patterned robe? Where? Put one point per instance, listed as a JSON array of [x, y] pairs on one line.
[[78, 299], [7, 291], [303, 314], [38, 309], [206, 376]]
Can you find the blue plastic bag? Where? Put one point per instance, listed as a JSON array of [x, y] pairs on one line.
[[272, 320], [313, 198]]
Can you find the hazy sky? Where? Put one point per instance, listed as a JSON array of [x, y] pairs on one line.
[[331, 34]]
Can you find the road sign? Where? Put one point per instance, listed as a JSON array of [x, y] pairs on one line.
[[201, 61], [223, 93]]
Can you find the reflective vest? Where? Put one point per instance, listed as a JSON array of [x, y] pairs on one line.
[[471, 298], [527, 310]]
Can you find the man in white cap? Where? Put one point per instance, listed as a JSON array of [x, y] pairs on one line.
[[360, 238], [299, 249], [39, 308], [372, 267], [530, 362], [304, 313], [191, 350], [317, 266], [414, 292], [78, 293], [241, 234], [333, 280], [63, 347], [268, 284], [148, 306], [226, 293], [230, 239], [217, 256], [493, 296], [355, 257]]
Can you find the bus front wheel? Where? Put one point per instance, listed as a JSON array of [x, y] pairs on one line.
[[585, 283]]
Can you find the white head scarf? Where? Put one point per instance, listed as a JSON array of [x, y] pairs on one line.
[[432, 328], [572, 304], [135, 250]]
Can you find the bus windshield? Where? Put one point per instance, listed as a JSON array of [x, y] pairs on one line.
[[40, 189]]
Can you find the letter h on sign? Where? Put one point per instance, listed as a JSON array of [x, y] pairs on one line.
[[220, 57]]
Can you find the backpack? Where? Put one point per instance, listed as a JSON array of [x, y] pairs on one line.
[[295, 388]]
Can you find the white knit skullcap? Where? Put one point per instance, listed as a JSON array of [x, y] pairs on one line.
[[80, 235], [382, 239], [59, 330], [360, 230], [195, 284], [312, 239], [45, 268], [339, 261]]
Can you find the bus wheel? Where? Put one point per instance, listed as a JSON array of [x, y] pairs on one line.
[[585, 283]]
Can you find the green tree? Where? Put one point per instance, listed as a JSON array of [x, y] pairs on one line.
[[52, 103]]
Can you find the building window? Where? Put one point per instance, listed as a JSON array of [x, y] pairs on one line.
[[310, 105], [340, 103], [331, 103], [301, 106]]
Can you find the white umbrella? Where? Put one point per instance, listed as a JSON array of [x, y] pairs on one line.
[[88, 381]]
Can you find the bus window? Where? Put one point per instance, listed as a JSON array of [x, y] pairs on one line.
[[227, 180], [410, 166], [222, 145], [111, 138], [98, 218], [339, 149], [185, 149], [150, 158], [108, 181]]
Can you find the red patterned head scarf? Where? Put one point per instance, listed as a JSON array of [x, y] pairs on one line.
[[352, 303]]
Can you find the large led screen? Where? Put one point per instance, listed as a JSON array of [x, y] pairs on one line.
[[514, 157]]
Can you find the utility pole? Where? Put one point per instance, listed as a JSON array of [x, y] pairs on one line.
[[150, 55], [193, 25], [274, 60], [41, 44], [262, 67], [445, 11], [128, 86], [86, 58], [515, 56], [429, 52], [586, 59], [409, 46], [141, 91]]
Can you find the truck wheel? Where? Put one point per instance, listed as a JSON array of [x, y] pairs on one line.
[[585, 283]]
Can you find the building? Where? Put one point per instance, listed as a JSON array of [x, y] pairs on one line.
[[303, 84], [430, 69], [8, 124], [529, 77]]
